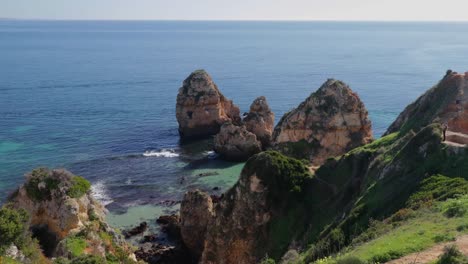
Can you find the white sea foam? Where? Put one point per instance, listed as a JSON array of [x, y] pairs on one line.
[[211, 154], [167, 153], [99, 192]]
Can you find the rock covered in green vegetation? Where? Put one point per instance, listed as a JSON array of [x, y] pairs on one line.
[[243, 220], [65, 219], [445, 103], [201, 108], [330, 122]]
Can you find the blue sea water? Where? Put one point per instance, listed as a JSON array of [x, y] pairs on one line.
[[94, 96]]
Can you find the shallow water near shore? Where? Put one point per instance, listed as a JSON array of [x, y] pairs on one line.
[[98, 97]]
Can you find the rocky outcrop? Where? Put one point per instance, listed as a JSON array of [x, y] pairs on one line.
[[59, 200], [196, 212], [330, 122], [240, 229], [445, 103], [260, 121], [201, 108], [236, 143], [61, 209]]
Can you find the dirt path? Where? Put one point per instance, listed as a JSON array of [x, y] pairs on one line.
[[432, 253]]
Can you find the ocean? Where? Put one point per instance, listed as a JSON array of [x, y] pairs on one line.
[[98, 97]]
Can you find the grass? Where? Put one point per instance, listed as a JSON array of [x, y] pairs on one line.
[[76, 245], [426, 228]]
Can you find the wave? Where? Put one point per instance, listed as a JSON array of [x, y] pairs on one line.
[[167, 153], [211, 154], [99, 192]]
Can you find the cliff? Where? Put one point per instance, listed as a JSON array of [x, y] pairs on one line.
[[330, 122], [277, 206], [445, 103]]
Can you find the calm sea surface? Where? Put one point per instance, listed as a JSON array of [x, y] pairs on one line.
[[98, 98]]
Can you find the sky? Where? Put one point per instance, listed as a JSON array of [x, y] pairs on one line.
[[375, 10]]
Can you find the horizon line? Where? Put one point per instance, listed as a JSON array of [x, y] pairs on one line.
[[232, 20]]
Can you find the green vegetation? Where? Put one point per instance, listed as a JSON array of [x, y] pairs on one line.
[[389, 239], [452, 256], [79, 187], [284, 176], [76, 245], [40, 184], [12, 227], [88, 259], [437, 187]]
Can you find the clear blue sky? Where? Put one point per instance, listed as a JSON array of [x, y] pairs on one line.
[[451, 10]]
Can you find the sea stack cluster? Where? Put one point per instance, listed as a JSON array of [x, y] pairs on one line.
[[330, 122], [202, 110]]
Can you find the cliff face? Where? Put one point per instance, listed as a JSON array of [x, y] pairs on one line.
[[63, 214], [243, 221], [330, 122], [277, 205], [196, 212], [201, 108], [445, 103]]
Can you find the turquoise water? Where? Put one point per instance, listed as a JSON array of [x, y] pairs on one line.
[[93, 97]]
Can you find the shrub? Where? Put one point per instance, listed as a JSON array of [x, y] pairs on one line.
[[79, 187], [462, 228], [35, 179], [401, 215], [12, 226], [455, 209], [75, 245], [350, 260], [385, 257], [438, 187], [88, 259], [452, 256], [443, 238], [267, 260]]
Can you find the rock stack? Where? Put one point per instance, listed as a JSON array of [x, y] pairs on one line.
[[330, 122], [201, 108]]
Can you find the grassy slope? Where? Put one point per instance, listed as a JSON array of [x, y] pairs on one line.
[[373, 182], [425, 228]]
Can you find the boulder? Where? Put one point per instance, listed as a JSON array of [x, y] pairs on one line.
[[330, 122], [201, 108], [196, 212], [260, 121], [235, 143]]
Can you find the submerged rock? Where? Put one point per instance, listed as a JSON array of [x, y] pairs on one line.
[[330, 122], [201, 108], [236, 143], [137, 230], [260, 121]]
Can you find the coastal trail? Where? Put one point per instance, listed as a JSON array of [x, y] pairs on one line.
[[431, 254]]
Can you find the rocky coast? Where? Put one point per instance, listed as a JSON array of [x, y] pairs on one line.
[[311, 187]]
